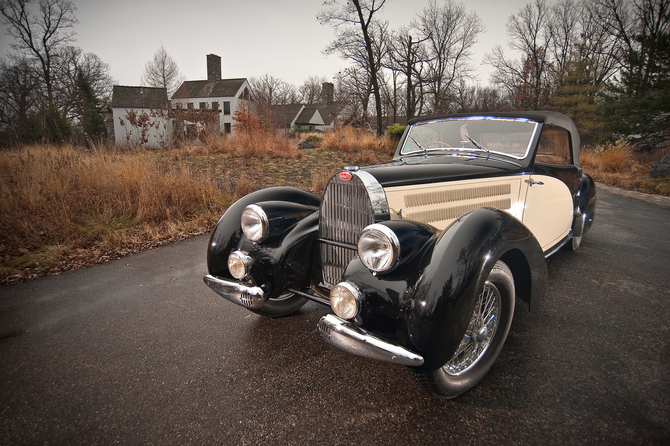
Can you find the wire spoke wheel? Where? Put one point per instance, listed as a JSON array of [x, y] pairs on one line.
[[480, 332], [484, 337]]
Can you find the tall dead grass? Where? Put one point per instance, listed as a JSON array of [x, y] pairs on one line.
[[59, 195], [349, 139], [258, 144], [618, 164]]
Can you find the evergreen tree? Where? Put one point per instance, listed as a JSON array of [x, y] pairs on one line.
[[638, 106], [575, 94], [92, 122]]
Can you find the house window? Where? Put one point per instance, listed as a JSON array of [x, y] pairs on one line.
[[189, 105], [203, 105], [227, 128], [215, 105], [226, 108]]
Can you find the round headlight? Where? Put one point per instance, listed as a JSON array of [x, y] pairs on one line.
[[345, 300], [378, 248], [239, 264], [254, 223]]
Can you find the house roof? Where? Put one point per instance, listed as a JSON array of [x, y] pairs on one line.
[[310, 115], [209, 89], [139, 97], [329, 112], [284, 115]]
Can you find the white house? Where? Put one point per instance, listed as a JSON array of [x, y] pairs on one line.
[[140, 116], [213, 93]]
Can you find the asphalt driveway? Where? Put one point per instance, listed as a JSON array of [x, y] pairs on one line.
[[140, 351]]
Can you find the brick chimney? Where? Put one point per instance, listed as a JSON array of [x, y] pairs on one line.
[[327, 93], [213, 67]]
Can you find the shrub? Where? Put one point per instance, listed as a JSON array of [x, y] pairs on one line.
[[615, 157], [395, 131]]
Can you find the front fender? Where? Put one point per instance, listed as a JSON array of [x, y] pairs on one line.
[[444, 296], [227, 233]]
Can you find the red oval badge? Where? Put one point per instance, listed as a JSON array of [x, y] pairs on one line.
[[345, 176]]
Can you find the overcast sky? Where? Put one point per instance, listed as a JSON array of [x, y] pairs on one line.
[[253, 37]]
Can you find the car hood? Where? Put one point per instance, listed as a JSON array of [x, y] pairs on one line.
[[435, 168]]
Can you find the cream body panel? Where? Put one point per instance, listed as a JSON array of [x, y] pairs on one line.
[[439, 204], [549, 209]]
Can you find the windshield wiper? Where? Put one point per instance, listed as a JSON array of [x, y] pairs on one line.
[[419, 144], [478, 145]]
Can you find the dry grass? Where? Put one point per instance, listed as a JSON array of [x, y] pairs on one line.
[[62, 208], [55, 201], [619, 165], [351, 140]]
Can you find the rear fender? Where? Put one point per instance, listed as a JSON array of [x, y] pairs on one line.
[[444, 296], [585, 205]]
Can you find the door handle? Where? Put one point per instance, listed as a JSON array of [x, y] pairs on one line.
[[532, 182]]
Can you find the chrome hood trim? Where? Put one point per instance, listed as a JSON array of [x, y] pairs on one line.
[[352, 339], [375, 191]]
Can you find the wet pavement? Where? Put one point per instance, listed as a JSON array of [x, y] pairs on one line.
[[140, 351]]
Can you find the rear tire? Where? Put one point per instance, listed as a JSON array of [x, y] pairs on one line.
[[484, 338]]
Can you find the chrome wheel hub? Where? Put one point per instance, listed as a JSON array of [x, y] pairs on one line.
[[480, 332]]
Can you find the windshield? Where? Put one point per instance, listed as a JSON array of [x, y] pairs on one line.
[[506, 136]]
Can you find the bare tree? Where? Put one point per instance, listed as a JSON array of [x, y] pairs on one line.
[[40, 35], [268, 90], [20, 95], [359, 18], [72, 62], [527, 78], [310, 90], [162, 71], [407, 56], [354, 89], [450, 33]]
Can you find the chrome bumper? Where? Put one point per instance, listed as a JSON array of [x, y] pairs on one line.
[[243, 295], [352, 339]]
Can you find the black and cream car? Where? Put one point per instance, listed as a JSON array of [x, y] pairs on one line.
[[420, 259]]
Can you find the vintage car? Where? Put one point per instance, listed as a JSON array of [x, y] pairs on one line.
[[420, 259]]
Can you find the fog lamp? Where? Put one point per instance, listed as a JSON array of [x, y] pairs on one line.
[[239, 264], [345, 300]]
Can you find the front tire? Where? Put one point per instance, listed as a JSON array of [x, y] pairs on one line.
[[484, 338], [281, 306]]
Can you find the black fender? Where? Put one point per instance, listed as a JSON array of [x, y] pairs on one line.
[[443, 298], [585, 205], [227, 235]]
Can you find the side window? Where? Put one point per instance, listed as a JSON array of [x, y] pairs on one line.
[[227, 128], [226, 108], [215, 105], [554, 147], [203, 105], [189, 105]]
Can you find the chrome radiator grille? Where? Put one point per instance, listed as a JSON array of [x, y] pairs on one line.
[[345, 211]]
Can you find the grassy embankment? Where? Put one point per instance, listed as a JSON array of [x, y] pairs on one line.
[[620, 166], [63, 208]]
